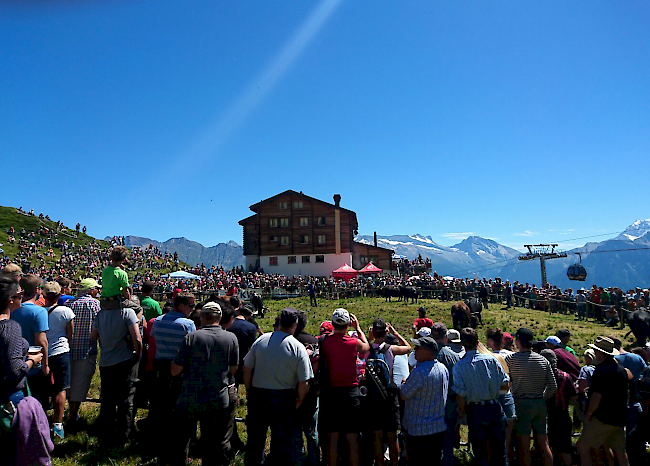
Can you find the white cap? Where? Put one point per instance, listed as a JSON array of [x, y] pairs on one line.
[[424, 332], [340, 316]]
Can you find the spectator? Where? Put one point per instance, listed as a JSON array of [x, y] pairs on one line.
[[606, 414], [121, 347], [207, 358], [115, 281], [565, 335], [495, 341], [560, 427], [380, 408], [83, 350], [150, 306], [584, 380], [425, 393], [34, 324], [421, 321], [566, 361], [532, 383], [478, 379], [66, 289], [339, 401], [448, 358], [312, 294], [275, 365], [15, 362], [61, 323]]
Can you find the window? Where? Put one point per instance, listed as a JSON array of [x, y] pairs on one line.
[[320, 258], [282, 205], [304, 221], [291, 260], [322, 239], [365, 260], [284, 240], [284, 222], [321, 221], [273, 260], [306, 259], [297, 205], [304, 239], [273, 222], [273, 238]]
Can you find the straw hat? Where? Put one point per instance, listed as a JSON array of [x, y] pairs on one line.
[[605, 345]]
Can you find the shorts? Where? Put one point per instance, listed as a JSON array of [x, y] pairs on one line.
[[596, 434], [340, 410], [531, 414], [60, 370], [81, 373], [507, 403]]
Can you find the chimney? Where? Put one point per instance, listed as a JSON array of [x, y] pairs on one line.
[[375, 239], [337, 200]]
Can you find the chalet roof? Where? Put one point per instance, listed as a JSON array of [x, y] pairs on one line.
[[244, 221], [374, 247], [254, 207]]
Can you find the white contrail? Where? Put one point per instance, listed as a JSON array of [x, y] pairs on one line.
[[209, 143]]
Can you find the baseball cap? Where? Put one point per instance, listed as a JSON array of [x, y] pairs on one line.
[[326, 327], [427, 343], [453, 336], [379, 325], [89, 284], [554, 340], [51, 288], [424, 332], [563, 332], [340, 316], [211, 308]]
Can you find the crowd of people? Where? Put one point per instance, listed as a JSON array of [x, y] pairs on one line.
[[357, 395]]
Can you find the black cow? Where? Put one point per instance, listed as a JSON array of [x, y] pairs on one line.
[[258, 304], [639, 322], [389, 292], [475, 309], [406, 292]]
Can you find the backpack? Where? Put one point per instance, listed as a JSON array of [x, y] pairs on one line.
[[379, 381]]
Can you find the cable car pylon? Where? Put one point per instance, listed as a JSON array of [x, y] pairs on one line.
[[543, 252]]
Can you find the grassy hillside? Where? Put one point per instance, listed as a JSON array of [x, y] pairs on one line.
[[9, 217], [80, 449]]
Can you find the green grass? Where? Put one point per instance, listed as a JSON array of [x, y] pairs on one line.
[[80, 449]]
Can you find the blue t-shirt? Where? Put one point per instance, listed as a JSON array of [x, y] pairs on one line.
[[32, 319], [633, 362]]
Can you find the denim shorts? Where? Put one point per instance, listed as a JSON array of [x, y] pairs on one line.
[[507, 403], [60, 370]]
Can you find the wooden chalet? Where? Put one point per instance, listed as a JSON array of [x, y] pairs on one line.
[[295, 234]]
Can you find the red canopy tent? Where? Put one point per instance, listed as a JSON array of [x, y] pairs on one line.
[[370, 268], [345, 272]]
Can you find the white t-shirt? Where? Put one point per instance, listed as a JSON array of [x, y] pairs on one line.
[[57, 339], [503, 352]]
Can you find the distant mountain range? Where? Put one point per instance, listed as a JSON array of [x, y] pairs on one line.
[[620, 261], [228, 254]]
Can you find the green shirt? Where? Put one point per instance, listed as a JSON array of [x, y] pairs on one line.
[[114, 280], [150, 307], [570, 350]]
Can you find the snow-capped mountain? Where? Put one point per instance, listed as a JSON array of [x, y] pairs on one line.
[[636, 230]]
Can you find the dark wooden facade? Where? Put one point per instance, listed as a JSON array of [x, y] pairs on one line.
[[364, 253], [293, 223]]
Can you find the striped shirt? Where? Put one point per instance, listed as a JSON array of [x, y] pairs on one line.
[[478, 377], [85, 309], [425, 391], [169, 331], [531, 375]]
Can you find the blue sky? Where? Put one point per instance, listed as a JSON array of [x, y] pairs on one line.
[[518, 121]]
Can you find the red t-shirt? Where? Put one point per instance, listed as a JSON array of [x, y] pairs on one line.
[[422, 322], [340, 353]]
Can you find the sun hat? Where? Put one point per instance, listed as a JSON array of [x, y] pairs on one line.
[[605, 345], [340, 316], [211, 308], [591, 353]]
